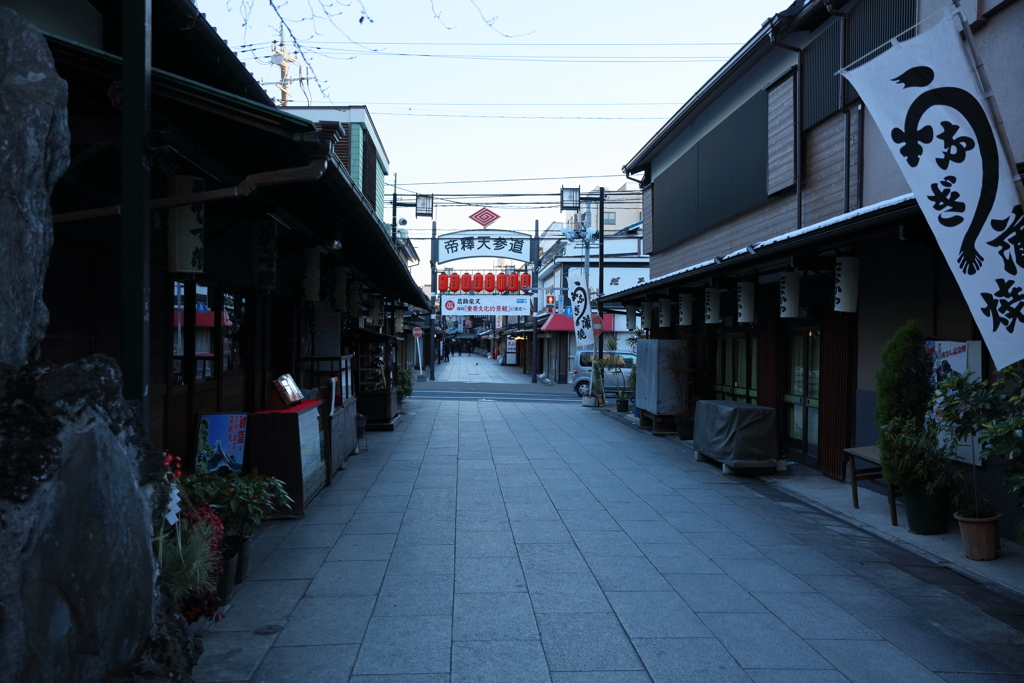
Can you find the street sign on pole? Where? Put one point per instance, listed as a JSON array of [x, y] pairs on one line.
[[417, 332]]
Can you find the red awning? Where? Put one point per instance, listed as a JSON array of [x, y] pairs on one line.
[[563, 323], [205, 318]]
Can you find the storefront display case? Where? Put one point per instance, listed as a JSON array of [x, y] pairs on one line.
[[375, 379]]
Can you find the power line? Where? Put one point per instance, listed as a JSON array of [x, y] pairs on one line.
[[508, 45], [508, 180], [505, 116]]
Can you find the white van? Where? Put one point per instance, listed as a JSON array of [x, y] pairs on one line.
[[618, 365]]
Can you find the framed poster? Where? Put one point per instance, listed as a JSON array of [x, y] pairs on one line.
[[220, 442]]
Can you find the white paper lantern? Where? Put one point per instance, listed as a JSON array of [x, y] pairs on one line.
[[185, 248], [665, 312], [685, 309], [789, 294], [646, 314], [266, 256], [847, 268], [630, 317], [712, 306], [399, 321], [745, 302], [311, 275]]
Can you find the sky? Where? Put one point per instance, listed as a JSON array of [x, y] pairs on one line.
[[560, 92]]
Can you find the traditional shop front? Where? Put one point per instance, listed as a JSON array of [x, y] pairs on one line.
[[265, 259]]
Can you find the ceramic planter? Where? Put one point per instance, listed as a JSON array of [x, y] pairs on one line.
[[684, 427], [926, 514], [979, 537]]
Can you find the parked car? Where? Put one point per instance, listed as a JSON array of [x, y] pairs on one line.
[[616, 371]]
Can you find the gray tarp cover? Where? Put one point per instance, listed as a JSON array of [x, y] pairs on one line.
[[735, 432]]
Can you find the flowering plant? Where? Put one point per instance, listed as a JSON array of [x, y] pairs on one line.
[[242, 501]]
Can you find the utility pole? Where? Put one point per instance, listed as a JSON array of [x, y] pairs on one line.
[[535, 256], [394, 210], [283, 61], [600, 287], [433, 289]]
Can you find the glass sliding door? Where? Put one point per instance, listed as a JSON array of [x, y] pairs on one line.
[[802, 394]]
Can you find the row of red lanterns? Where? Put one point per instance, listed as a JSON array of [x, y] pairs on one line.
[[482, 283]]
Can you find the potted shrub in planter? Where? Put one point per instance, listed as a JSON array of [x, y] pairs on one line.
[[993, 413], [921, 467], [242, 502], [403, 383], [913, 456]]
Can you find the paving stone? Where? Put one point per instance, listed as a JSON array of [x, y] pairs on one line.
[[540, 531], [374, 524], [488, 575], [762, 575], [383, 504], [312, 536], [671, 660], [713, 593], [290, 563], [361, 577], [723, 546], [484, 544], [427, 532], [393, 488], [482, 520], [598, 520], [263, 603], [600, 677], [494, 616], [869, 661], [812, 615], [586, 642], [605, 544], [565, 593], [627, 574], [650, 531], [426, 595], [416, 560], [514, 661], [551, 558], [230, 656], [362, 547], [327, 621], [796, 676], [763, 641], [656, 615], [406, 645], [309, 664]]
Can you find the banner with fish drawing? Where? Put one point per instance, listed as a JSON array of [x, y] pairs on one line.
[[925, 97]]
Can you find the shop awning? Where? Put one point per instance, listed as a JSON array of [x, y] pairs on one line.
[[838, 229], [563, 323]]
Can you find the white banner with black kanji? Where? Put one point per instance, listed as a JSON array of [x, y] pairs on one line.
[[582, 320], [925, 97]]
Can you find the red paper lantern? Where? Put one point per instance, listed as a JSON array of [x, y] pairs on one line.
[[478, 282], [467, 282], [513, 282], [501, 282], [489, 282], [442, 282], [453, 282], [524, 280]]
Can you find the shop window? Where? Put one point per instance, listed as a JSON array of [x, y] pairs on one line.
[[736, 369], [206, 335]]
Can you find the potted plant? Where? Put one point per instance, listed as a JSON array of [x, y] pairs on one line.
[[922, 470], [242, 501], [677, 364], [912, 455], [403, 383], [993, 413]]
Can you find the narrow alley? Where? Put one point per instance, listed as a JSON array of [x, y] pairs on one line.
[[487, 541]]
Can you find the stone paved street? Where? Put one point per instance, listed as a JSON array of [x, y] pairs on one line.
[[488, 541]]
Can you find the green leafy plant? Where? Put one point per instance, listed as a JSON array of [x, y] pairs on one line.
[[189, 562], [404, 382], [242, 501], [904, 395], [993, 413], [925, 454]]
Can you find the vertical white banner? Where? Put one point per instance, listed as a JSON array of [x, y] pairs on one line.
[[579, 296], [924, 95]]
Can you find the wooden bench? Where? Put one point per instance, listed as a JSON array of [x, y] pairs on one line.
[[872, 473]]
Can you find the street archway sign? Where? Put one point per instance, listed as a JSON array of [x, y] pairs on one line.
[[515, 246]]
